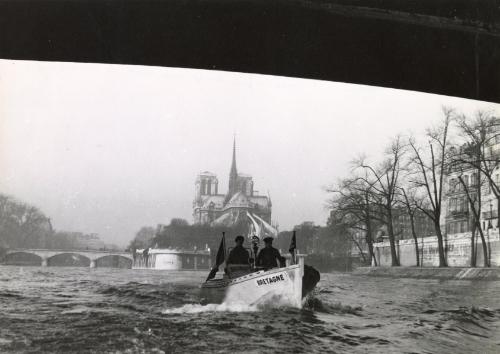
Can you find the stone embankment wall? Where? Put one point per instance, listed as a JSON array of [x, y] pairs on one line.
[[458, 250], [431, 273]]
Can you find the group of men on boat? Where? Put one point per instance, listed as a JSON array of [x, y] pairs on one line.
[[268, 257], [290, 286], [239, 262]]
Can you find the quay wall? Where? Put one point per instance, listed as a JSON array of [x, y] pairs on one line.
[[455, 273], [457, 250]]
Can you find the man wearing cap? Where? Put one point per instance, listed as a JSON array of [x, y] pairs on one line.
[[238, 255], [269, 256]]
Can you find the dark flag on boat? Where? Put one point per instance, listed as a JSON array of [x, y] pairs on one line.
[[221, 257], [293, 246]]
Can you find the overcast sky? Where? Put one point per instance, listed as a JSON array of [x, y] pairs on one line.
[[110, 148]]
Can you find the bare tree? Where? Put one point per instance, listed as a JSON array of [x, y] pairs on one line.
[[474, 200], [353, 205], [471, 190], [384, 181], [412, 203], [429, 167], [481, 134]]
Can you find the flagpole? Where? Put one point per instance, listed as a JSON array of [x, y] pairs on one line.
[[293, 246], [220, 259]]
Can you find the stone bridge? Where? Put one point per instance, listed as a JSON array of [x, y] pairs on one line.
[[91, 255]]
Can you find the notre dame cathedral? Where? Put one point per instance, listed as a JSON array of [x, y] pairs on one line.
[[240, 202]]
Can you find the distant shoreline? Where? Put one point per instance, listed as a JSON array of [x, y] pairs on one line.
[[450, 273]]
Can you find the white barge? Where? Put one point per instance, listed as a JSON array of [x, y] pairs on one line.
[[171, 259]]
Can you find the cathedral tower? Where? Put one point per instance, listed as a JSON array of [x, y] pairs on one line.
[[206, 184], [233, 175]]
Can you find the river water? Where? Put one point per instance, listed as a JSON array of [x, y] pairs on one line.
[[63, 309]]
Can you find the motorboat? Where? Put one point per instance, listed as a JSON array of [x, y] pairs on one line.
[[249, 285]]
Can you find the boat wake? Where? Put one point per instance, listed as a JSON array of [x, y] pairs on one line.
[[313, 303], [262, 304], [197, 308]]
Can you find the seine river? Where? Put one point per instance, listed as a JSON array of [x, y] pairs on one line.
[[62, 309]]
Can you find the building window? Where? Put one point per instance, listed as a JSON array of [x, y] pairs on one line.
[[473, 180], [453, 204], [203, 185], [452, 184]]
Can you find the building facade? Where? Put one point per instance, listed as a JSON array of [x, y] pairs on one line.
[[464, 186], [458, 216], [424, 226], [240, 202]]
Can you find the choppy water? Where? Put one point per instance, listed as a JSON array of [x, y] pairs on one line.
[[119, 310]]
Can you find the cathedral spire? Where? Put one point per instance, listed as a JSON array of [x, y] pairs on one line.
[[234, 171], [233, 175]]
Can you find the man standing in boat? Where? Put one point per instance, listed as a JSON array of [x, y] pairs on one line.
[[238, 255], [269, 256]]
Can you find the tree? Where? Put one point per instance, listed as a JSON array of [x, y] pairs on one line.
[[384, 182], [179, 222], [332, 247], [143, 238], [339, 240], [428, 169], [352, 204], [474, 200], [479, 133], [180, 234], [306, 232], [22, 225], [412, 204]]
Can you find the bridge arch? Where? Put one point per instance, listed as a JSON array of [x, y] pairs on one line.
[[69, 259], [113, 261], [22, 258]]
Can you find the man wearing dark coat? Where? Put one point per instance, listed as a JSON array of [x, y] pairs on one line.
[[238, 255], [269, 256]]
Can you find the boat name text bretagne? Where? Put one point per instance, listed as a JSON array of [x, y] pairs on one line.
[[270, 280]]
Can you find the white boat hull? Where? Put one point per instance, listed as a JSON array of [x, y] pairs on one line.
[[275, 287]]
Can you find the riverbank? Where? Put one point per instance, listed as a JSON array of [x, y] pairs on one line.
[[431, 273]]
